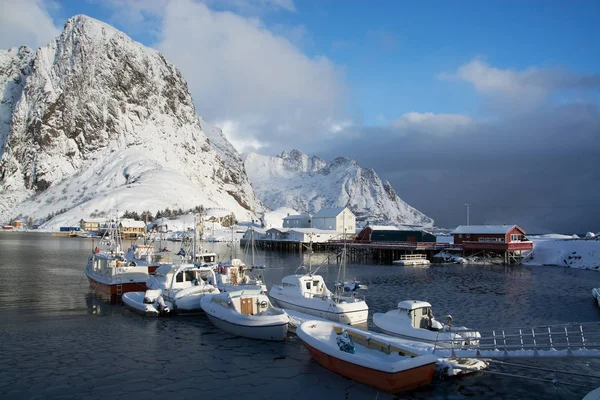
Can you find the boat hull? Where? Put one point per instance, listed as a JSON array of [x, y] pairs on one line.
[[111, 289], [351, 317], [135, 302], [270, 332], [387, 381]]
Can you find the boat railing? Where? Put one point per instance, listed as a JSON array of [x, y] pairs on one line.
[[560, 339]]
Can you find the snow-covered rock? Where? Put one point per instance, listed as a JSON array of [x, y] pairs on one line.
[[308, 184], [94, 121]]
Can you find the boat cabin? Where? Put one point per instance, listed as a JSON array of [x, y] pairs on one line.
[[206, 258], [419, 312], [181, 276], [248, 302], [140, 252], [305, 285]]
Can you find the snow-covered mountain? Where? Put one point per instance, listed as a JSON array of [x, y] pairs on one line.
[[308, 184], [95, 121]]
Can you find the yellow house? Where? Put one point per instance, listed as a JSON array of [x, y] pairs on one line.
[[132, 228], [92, 225]]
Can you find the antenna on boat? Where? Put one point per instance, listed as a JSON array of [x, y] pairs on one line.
[[194, 245], [310, 253]]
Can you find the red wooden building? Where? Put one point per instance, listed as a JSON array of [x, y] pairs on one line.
[[492, 237]]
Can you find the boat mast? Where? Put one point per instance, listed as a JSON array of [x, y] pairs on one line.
[[344, 252], [232, 242], [252, 243], [310, 254], [194, 246]]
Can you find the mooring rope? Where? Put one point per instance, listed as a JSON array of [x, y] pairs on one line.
[[544, 369], [554, 382]]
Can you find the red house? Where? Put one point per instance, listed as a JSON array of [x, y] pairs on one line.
[[492, 237]]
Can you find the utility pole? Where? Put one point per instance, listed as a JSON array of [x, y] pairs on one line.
[[468, 206]]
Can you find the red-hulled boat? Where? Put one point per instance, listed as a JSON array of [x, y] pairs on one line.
[[373, 359]]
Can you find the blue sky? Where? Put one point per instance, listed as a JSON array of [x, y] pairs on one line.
[[492, 103], [392, 51]]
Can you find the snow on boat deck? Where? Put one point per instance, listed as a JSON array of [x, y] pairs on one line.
[[443, 366]]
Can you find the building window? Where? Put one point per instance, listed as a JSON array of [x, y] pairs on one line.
[[460, 236], [468, 236]]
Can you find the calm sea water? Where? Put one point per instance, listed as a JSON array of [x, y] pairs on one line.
[[58, 340]]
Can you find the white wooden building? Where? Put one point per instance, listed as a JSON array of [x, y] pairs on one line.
[[297, 221], [304, 235], [339, 219]]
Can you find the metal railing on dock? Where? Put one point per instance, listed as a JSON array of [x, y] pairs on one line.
[[562, 340]]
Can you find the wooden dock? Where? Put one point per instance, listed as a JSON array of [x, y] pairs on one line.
[[386, 252]]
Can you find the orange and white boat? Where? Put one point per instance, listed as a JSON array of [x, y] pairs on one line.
[[371, 358]]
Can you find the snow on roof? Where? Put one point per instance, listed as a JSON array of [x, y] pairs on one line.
[[328, 212], [382, 228], [96, 220], [282, 230], [413, 304], [314, 230], [131, 223], [298, 216], [477, 229]]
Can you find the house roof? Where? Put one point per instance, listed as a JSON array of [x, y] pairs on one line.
[[297, 216], [131, 223], [413, 304], [315, 231], [382, 228], [482, 229], [328, 212], [282, 230]]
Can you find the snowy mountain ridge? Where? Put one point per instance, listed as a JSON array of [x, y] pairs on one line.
[[95, 121], [307, 184]]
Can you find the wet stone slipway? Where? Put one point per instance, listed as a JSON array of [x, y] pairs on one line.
[[59, 340]]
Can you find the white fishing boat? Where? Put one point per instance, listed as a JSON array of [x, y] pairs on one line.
[[183, 285], [247, 313], [373, 359], [234, 275], [149, 303], [113, 272], [414, 320], [308, 294]]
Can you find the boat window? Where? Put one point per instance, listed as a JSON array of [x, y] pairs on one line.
[[288, 284], [424, 311], [189, 276], [308, 285], [179, 277]]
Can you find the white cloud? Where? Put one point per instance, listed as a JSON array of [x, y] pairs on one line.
[[531, 84], [238, 70], [26, 22], [243, 135], [436, 124]]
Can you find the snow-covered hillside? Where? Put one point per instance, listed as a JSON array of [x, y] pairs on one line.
[[308, 184], [94, 121]]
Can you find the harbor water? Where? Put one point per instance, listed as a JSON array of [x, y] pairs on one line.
[[60, 340]]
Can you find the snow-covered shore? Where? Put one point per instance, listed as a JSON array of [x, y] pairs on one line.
[[566, 251]]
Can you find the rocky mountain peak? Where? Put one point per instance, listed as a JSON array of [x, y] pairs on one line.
[[95, 102], [287, 181]]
